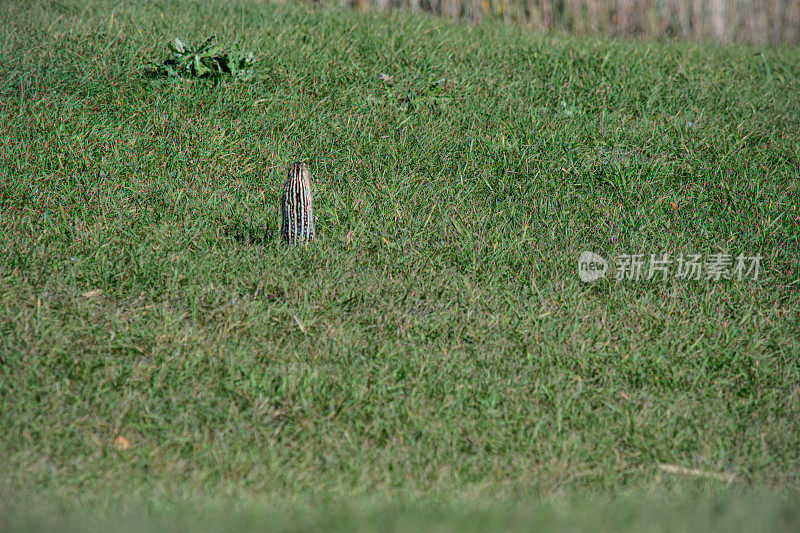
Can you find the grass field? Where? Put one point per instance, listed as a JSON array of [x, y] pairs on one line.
[[434, 358]]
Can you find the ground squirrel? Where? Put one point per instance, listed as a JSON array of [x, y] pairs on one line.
[[297, 217]]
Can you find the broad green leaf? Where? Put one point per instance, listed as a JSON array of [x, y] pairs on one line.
[[177, 46], [200, 69], [214, 50]]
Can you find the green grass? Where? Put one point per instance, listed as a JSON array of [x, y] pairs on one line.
[[721, 513], [435, 344]]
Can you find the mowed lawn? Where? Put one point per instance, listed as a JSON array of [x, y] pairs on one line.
[[434, 355]]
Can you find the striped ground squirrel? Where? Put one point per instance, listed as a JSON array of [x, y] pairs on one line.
[[297, 217]]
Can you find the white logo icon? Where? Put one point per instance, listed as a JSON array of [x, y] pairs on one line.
[[591, 266]]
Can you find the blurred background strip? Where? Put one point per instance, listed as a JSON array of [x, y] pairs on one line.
[[744, 21]]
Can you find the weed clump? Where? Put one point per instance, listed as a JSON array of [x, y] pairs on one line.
[[209, 59]]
